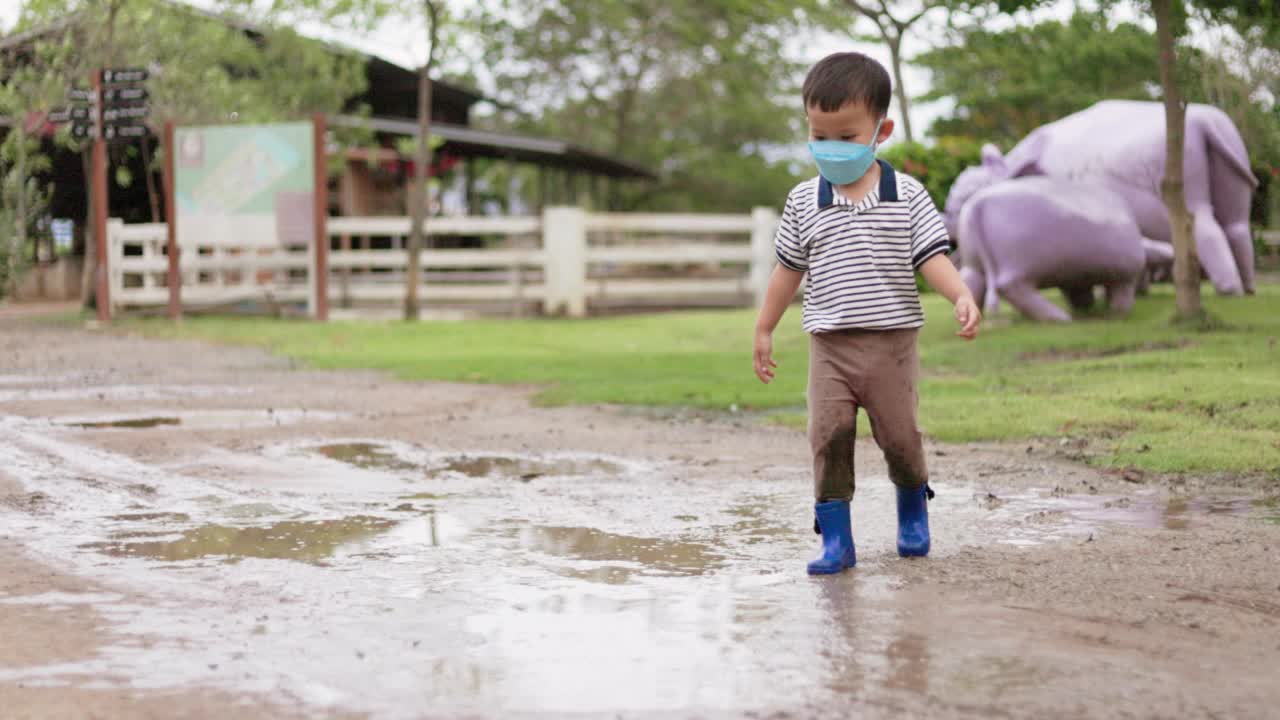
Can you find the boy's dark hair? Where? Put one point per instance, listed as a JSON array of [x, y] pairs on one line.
[[842, 78]]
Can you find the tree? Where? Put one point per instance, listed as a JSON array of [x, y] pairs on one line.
[[211, 68], [1006, 83], [1252, 16], [418, 200], [892, 28], [703, 92], [26, 94], [21, 197]]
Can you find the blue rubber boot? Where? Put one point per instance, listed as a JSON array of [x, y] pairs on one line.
[[837, 539], [913, 521]]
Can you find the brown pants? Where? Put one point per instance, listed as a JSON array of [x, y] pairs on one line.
[[871, 369]]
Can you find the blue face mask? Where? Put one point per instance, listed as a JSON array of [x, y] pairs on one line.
[[844, 162]]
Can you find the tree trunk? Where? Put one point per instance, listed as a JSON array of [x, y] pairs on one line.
[[1186, 265], [904, 105], [152, 195], [90, 268], [418, 201]]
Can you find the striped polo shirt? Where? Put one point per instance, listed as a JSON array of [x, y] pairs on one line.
[[861, 258]]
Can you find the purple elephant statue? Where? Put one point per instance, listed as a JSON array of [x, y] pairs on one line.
[[1120, 145], [1008, 252]]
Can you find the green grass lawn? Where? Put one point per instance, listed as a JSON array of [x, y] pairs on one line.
[[1154, 397]]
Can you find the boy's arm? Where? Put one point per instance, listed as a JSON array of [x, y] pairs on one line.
[[942, 276], [783, 284]]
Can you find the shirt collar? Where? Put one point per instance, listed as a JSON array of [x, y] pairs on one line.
[[887, 192]]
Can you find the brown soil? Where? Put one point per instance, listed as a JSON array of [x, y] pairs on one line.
[[1163, 620]]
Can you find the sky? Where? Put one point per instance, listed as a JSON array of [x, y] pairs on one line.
[[403, 43]]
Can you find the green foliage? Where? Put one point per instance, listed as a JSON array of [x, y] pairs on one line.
[[701, 92], [937, 165], [1007, 83], [1031, 75], [207, 69], [1237, 81], [22, 199], [1143, 392]]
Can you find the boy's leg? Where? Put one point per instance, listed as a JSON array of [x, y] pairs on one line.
[[888, 393], [890, 398], [833, 413]]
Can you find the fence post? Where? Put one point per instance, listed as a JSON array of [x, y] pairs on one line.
[[764, 223], [564, 243]]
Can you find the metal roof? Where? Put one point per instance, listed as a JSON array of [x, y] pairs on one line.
[[487, 143]]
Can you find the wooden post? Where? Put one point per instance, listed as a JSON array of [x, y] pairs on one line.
[[171, 223], [564, 242], [102, 291], [764, 223], [321, 267]]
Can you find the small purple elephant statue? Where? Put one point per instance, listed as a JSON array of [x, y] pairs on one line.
[[1020, 235], [1120, 145]]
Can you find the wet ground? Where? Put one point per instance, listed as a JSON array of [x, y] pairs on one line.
[[191, 532]]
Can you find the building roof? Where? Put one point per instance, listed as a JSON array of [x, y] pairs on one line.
[[392, 97], [486, 143]]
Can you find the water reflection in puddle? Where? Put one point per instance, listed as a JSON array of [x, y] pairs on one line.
[[367, 456], [196, 420], [376, 456], [130, 424], [526, 469], [151, 517], [1034, 517], [626, 555], [306, 541]]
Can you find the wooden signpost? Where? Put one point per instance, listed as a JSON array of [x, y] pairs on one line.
[[112, 110]]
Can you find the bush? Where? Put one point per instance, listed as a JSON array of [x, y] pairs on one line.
[[936, 166]]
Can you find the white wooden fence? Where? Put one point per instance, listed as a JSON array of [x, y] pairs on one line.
[[566, 261]]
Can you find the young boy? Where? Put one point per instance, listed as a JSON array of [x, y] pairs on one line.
[[860, 230]]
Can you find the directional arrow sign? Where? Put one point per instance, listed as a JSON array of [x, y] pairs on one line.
[[124, 94], [117, 132], [124, 75], [80, 95], [126, 112], [82, 130]]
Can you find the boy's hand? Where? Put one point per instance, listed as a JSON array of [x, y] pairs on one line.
[[764, 363], [969, 317]]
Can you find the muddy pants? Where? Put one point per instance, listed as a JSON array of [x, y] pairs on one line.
[[875, 370]]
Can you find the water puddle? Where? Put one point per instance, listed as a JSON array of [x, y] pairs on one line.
[[377, 456], [151, 517], [758, 522], [366, 456], [525, 469], [197, 420], [309, 541], [1145, 511], [131, 424], [1179, 513], [621, 553]]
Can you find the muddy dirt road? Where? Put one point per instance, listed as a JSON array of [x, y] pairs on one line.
[[197, 532]]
